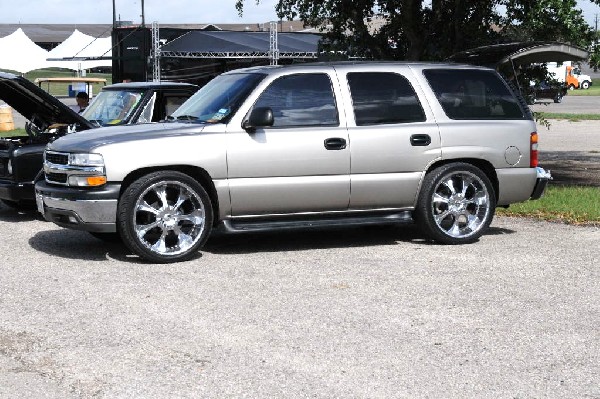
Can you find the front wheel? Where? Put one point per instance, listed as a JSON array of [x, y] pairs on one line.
[[585, 85], [456, 204], [165, 217]]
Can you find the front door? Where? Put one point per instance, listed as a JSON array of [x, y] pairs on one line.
[[302, 162]]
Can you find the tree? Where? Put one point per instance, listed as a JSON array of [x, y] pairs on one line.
[[436, 29], [557, 20]]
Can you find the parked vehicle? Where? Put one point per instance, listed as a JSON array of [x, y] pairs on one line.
[[48, 118], [544, 90], [303, 145], [568, 74]]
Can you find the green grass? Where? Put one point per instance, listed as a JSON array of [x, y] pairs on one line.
[[594, 90], [571, 117], [13, 133], [567, 204]]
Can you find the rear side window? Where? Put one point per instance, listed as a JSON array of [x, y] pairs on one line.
[[383, 98], [301, 100], [473, 94]]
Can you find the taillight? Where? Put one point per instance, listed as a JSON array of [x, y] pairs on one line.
[[533, 151]]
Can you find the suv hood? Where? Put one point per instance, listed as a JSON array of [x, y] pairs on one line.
[[88, 141], [34, 103]]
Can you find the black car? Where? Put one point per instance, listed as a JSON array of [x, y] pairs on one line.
[[49, 118], [544, 90]]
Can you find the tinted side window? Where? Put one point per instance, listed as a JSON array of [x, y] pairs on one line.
[[473, 94], [383, 98], [301, 100]]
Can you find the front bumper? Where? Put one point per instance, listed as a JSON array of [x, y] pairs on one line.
[[13, 191], [79, 209], [543, 177]]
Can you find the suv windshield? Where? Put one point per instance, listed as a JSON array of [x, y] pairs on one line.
[[113, 107], [219, 99]]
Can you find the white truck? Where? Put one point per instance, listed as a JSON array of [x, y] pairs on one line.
[[570, 75]]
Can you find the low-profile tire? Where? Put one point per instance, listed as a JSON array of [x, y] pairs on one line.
[[165, 217], [106, 237], [456, 204]]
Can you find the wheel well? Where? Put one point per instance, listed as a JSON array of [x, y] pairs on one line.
[[481, 164], [198, 174]]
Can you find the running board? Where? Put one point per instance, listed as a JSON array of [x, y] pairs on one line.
[[270, 224]]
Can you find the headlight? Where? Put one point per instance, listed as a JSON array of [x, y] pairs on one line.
[[86, 160]]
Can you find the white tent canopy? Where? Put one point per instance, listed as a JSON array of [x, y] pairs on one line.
[[79, 51], [19, 53]]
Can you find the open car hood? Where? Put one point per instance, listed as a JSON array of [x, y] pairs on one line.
[[34, 103]]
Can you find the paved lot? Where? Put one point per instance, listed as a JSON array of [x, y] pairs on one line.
[[571, 150], [374, 312], [358, 313], [570, 105]]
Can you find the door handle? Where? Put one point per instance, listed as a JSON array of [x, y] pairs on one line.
[[420, 140], [335, 143]]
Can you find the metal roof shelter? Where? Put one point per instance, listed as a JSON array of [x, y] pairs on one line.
[[229, 44], [520, 53]]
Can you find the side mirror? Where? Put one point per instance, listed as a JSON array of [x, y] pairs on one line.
[[258, 117]]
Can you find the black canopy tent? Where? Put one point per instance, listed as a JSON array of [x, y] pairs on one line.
[[228, 44]]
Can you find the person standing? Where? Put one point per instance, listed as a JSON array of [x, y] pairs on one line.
[[83, 100]]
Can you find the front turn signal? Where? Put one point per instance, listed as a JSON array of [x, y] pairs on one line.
[[96, 180]]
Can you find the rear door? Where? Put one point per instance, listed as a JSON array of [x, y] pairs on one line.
[[393, 135]]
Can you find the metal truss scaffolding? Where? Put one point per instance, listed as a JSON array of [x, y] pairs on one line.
[[155, 52]]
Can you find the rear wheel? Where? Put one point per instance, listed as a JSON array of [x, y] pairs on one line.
[[165, 217], [456, 204]]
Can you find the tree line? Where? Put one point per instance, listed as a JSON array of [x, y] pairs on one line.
[[433, 30]]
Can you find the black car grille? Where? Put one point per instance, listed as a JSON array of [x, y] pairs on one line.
[[58, 159], [56, 178], [3, 167]]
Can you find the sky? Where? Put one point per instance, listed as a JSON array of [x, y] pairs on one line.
[[161, 11]]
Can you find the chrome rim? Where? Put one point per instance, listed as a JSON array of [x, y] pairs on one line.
[[461, 204], [169, 218]]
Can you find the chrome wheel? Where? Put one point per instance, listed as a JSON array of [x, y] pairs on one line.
[[169, 218], [456, 203], [460, 204]]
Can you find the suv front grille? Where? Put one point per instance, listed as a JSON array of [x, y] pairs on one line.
[[60, 178], [56, 158]]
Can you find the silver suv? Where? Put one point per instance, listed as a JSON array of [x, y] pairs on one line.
[[303, 145]]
